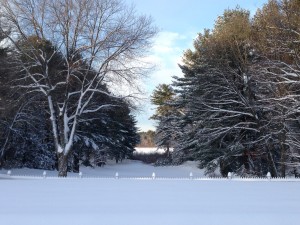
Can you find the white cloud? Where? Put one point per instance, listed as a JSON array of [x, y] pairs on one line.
[[166, 54], [165, 43]]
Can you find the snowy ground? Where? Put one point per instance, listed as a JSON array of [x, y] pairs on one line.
[[127, 168], [150, 150], [147, 202]]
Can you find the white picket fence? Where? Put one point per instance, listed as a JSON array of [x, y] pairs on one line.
[[153, 176]]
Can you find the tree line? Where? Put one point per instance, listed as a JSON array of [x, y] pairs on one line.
[[146, 139], [236, 107], [61, 63]]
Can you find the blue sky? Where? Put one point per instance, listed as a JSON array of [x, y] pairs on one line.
[[179, 22]]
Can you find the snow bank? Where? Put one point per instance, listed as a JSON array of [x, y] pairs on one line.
[[147, 202], [149, 150]]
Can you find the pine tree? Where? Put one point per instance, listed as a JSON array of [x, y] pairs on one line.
[[239, 94], [217, 97], [163, 97], [277, 43]]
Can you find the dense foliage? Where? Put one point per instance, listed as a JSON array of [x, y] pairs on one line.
[[162, 95], [27, 141], [237, 105], [57, 58]]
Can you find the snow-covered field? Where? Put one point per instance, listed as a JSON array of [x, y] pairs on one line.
[[127, 168], [146, 202]]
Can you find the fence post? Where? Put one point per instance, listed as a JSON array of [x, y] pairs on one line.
[[9, 172], [229, 176], [191, 175], [269, 176], [44, 174], [117, 175], [153, 175], [80, 174]]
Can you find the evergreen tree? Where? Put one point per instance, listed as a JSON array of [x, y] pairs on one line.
[[277, 43], [163, 97], [239, 95], [217, 98]]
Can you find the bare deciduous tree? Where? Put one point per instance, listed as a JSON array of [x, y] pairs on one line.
[[91, 40]]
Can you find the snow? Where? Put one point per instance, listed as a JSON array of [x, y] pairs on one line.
[[146, 202], [150, 150], [128, 168], [59, 149]]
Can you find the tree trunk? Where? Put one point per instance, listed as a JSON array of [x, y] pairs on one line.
[[282, 156], [224, 169], [272, 165], [168, 151], [75, 166], [295, 168], [1, 163], [62, 165]]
